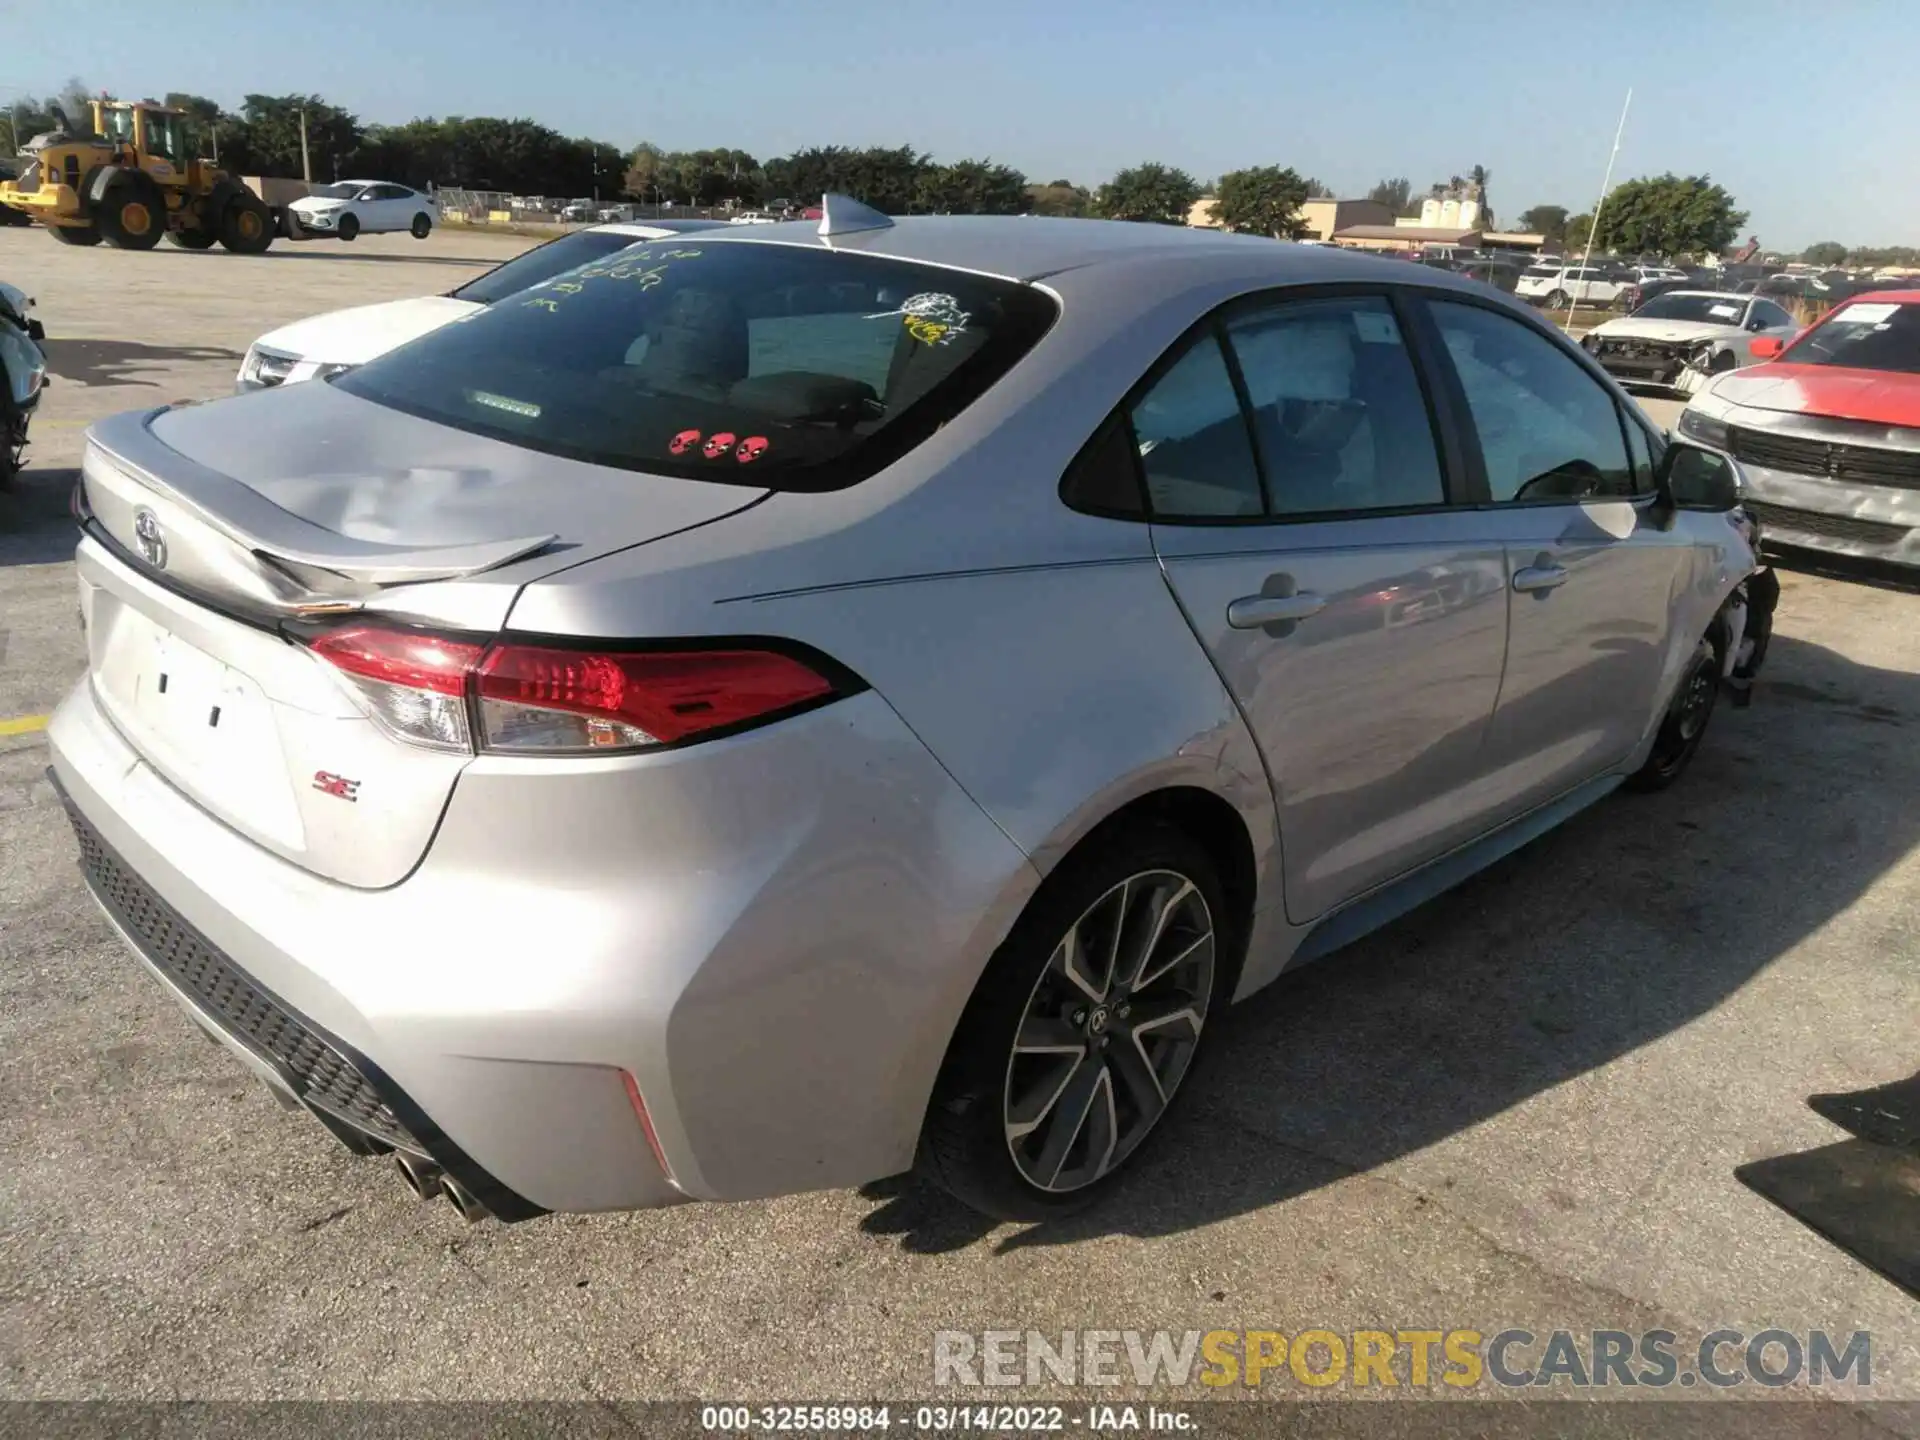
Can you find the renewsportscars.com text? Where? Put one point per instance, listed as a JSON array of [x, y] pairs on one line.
[[1417, 1359]]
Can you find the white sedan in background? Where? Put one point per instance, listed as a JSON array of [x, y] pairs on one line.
[[349, 207], [1682, 339], [324, 345]]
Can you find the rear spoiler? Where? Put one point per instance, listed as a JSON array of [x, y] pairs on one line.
[[301, 556]]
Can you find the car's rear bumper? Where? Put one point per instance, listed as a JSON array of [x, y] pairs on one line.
[[772, 934]]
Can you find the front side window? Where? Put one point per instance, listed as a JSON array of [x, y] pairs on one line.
[[1548, 431], [1192, 440], [1337, 409], [1771, 315], [787, 366]]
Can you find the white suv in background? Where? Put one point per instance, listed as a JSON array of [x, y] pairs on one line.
[[1556, 285]]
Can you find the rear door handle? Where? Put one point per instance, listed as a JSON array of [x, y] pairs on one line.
[[1252, 612], [1537, 579]]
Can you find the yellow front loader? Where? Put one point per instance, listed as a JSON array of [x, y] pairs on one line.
[[129, 181]]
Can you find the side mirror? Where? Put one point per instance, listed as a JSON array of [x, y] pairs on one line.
[[1767, 347], [1692, 477]]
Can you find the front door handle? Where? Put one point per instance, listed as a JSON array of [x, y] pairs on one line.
[[1538, 579], [1254, 612]]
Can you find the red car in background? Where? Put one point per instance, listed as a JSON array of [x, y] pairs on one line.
[[1827, 430]]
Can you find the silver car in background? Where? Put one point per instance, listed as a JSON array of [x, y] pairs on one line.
[[776, 707]]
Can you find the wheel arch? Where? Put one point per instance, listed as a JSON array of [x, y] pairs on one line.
[[1214, 824]]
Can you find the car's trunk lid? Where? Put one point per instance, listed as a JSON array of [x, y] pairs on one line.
[[221, 524]]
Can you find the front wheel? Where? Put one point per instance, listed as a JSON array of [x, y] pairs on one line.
[[1559, 300], [1686, 720], [75, 234], [246, 226], [1080, 1032], [132, 219], [422, 226], [349, 227]]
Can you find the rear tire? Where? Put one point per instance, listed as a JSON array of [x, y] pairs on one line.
[[349, 227], [1685, 723], [1037, 1130], [74, 234], [132, 217], [422, 226], [191, 239], [246, 226]]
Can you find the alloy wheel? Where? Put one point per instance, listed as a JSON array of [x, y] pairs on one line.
[[1109, 1031]]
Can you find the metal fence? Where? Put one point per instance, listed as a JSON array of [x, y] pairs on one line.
[[483, 207]]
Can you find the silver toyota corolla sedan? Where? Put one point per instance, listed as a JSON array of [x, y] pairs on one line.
[[781, 706]]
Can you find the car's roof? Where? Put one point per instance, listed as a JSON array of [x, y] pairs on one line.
[[1025, 247]]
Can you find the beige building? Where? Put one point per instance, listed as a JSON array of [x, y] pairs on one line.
[[1325, 217], [1404, 237], [1322, 217]]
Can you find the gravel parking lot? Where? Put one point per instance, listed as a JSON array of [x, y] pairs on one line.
[[1519, 1107]]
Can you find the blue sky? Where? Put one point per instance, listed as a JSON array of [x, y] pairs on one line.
[[1809, 121]]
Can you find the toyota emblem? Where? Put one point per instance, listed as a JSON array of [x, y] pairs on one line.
[[151, 539]]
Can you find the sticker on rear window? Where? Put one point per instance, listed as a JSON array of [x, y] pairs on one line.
[[931, 317], [1865, 315], [1375, 327]]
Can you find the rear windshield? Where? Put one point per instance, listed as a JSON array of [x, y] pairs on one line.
[[1710, 309], [1864, 335], [787, 366], [543, 262]]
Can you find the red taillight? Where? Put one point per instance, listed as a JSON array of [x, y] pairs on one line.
[[399, 657], [413, 684], [536, 698], [648, 698]]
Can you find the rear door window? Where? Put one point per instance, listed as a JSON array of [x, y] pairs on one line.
[[1337, 407], [789, 366]]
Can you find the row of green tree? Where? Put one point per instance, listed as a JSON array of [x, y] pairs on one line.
[[1664, 214]]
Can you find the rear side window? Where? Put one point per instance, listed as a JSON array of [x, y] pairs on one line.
[[1337, 408], [1192, 440], [787, 366]]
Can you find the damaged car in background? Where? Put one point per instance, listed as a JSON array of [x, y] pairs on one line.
[[1828, 431], [1682, 339]]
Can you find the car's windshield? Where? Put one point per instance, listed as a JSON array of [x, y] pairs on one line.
[[781, 365], [1710, 309], [333, 192], [1864, 335], [543, 262]]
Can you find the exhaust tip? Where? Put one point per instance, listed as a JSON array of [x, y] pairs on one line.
[[463, 1200], [423, 1177]]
